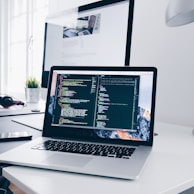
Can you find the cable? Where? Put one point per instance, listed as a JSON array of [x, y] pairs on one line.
[[193, 131], [4, 190]]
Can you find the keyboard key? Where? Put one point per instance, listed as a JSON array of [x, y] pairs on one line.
[[87, 148]]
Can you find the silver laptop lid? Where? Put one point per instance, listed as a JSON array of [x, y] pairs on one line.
[[103, 104]]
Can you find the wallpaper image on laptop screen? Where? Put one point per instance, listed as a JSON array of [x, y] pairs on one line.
[[111, 106]]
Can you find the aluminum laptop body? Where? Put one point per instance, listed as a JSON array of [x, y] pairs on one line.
[[102, 106]]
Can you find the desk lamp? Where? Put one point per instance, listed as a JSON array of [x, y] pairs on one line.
[[180, 12]]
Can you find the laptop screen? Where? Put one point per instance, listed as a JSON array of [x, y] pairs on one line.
[[109, 105]]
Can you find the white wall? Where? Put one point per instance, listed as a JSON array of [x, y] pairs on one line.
[[171, 50]]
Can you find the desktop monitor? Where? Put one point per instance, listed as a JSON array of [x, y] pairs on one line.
[[97, 34]]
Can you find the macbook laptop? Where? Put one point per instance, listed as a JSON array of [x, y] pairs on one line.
[[98, 121]]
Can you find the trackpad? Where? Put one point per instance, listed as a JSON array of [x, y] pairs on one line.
[[67, 160]]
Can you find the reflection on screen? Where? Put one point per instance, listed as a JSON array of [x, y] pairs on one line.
[[88, 38]]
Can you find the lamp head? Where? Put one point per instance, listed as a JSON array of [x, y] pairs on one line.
[[180, 12]]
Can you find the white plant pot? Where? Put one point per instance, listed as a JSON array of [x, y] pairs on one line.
[[32, 94]]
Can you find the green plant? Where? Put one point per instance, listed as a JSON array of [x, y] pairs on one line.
[[32, 83]]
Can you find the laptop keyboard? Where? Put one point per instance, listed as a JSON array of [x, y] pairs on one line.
[[87, 148]]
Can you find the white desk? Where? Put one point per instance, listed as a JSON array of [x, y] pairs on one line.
[[29, 108], [170, 169]]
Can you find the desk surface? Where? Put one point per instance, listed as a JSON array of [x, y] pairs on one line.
[[170, 169], [7, 125], [29, 108]]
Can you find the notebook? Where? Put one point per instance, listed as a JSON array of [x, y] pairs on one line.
[[98, 121]]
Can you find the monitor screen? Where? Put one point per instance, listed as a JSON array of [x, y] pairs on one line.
[[97, 34]]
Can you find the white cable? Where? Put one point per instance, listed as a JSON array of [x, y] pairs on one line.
[[5, 191]]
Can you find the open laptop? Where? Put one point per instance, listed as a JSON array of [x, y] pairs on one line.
[[98, 120]]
